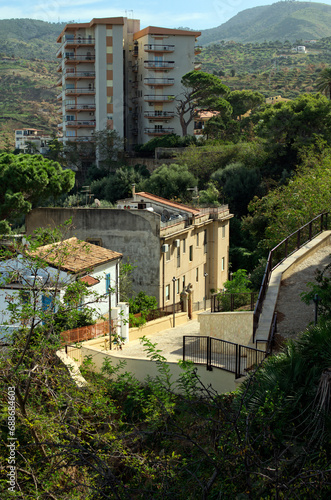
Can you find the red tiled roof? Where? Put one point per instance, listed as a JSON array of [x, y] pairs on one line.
[[168, 203], [74, 255], [89, 280]]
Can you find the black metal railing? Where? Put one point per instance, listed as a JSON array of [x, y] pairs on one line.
[[283, 250], [222, 302], [217, 353]]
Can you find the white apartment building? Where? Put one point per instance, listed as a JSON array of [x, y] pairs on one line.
[[31, 137], [114, 75]]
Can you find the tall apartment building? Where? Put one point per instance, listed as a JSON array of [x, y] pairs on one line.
[[112, 74]]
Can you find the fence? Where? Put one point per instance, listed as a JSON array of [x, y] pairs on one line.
[[85, 333], [283, 250], [161, 312], [213, 352], [224, 301]]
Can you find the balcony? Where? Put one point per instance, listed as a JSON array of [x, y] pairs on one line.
[[83, 58], [159, 115], [78, 74], [80, 123], [159, 65], [159, 81], [78, 42], [80, 107], [197, 49], [159, 98], [151, 47], [158, 131], [135, 68], [80, 91], [85, 138], [59, 97]]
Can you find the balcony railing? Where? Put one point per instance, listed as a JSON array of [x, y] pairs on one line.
[[158, 131], [159, 81], [79, 41], [78, 74], [79, 91], [80, 58], [85, 138], [159, 114], [80, 123], [158, 65], [159, 98], [151, 47], [80, 107]]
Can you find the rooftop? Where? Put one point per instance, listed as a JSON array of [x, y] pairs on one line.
[[74, 255]]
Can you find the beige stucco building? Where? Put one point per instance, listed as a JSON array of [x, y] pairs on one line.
[[112, 74], [162, 239]]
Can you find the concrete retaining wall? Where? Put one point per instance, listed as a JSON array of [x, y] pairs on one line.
[[220, 380], [230, 326]]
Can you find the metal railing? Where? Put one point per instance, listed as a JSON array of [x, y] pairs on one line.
[[83, 107], [158, 47], [158, 131], [79, 91], [159, 64], [159, 114], [159, 81], [159, 98], [222, 302], [217, 353], [282, 251]]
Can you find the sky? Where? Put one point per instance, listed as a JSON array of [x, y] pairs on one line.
[[194, 14]]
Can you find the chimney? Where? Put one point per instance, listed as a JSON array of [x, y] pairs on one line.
[[133, 191]]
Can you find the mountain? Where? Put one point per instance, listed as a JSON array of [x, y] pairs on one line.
[[29, 38], [287, 20]]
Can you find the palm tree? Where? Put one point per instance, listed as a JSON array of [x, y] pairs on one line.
[[324, 82]]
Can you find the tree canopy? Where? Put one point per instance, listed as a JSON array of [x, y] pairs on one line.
[[25, 181], [200, 91]]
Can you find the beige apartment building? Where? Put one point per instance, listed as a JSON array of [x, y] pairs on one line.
[[170, 245], [114, 75]]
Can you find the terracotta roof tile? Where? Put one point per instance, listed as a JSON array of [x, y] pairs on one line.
[[89, 280], [74, 255]]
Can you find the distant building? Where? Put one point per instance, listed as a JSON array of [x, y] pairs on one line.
[[31, 139], [114, 75], [299, 48]]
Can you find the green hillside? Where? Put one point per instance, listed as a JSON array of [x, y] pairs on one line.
[[272, 68], [28, 38], [280, 21]]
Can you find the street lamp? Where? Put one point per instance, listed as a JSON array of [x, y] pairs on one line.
[[205, 275], [174, 297]]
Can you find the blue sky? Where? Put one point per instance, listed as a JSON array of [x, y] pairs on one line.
[[195, 14]]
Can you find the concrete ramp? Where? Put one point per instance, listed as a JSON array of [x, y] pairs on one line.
[[286, 284]]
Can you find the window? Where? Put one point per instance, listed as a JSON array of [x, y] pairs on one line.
[[167, 292], [184, 245], [222, 264], [70, 133], [205, 241], [183, 280], [70, 118], [168, 253], [191, 253], [197, 239], [107, 282], [178, 286], [178, 257], [197, 274], [223, 231]]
